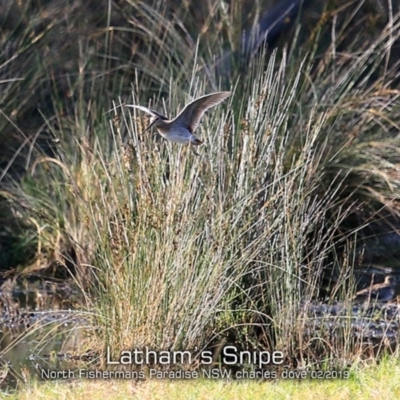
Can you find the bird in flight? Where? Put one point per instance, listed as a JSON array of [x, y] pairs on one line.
[[181, 128]]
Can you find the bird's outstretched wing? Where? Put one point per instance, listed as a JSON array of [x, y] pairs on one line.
[[190, 116], [147, 110]]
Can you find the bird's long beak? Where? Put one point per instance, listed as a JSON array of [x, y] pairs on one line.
[[148, 128]]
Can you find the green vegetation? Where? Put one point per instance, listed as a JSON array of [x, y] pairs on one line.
[[175, 251], [374, 382]]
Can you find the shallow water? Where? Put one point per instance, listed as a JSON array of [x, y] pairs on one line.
[[36, 332]]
